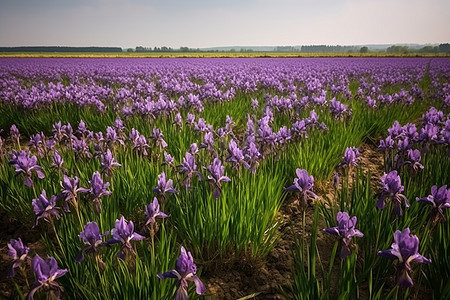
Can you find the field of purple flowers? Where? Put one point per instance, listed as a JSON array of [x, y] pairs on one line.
[[156, 178]]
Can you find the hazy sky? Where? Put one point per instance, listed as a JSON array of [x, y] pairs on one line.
[[203, 23]]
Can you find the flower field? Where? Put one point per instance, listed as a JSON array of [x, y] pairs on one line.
[[157, 178]]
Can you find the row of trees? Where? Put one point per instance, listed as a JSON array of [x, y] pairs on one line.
[[426, 49]]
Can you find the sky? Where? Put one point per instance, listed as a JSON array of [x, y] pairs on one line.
[[203, 23]]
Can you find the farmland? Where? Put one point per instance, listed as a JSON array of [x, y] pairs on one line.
[[225, 177]]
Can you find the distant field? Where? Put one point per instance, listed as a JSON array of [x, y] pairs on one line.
[[215, 54]]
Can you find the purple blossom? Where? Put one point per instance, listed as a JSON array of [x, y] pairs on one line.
[[58, 161], [414, 159], [185, 270], [97, 190], [235, 155], [108, 163], [140, 145], [391, 188], [189, 168], [253, 156], [70, 191], [346, 230], [82, 130], [46, 273], [123, 232], [168, 159], [112, 137], [350, 157], [405, 250], [178, 121], [303, 184], [44, 208], [164, 186], [152, 211], [255, 104], [14, 133], [216, 171], [337, 109], [159, 138], [92, 238], [81, 148], [37, 142], [387, 144], [25, 164], [18, 253], [190, 119], [439, 199], [208, 143]]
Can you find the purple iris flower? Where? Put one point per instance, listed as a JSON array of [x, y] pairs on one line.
[[405, 249], [193, 148], [44, 208], [386, 144], [38, 142], [46, 273], [82, 129], [81, 148], [346, 230], [58, 162], [235, 155], [164, 186], [253, 156], [189, 167], [18, 253], [57, 131], [185, 270], [112, 137], [152, 211], [439, 198], [208, 143], [190, 119], [168, 159], [14, 133], [217, 176], [391, 188], [414, 159], [178, 120], [337, 109], [108, 163], [97, 190], [123, 232], [25, 164], [350, 157], [70, 191], [140, 145], [92, 238], [159, 138], [303, 184], [255, 104]]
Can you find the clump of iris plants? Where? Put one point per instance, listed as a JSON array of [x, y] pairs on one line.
[[345, 230], [405, 250], [185, 270]]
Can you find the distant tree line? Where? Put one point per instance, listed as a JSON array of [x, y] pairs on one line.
[[163, 49], [59, 49], [328, 49], [426, 49]]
